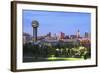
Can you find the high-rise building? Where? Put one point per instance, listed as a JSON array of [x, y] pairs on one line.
[[78, 33], [55, 36], [62, 35], [86, 35], [49, 34]]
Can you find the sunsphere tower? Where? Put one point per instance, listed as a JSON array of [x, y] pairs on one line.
[[35, 25]]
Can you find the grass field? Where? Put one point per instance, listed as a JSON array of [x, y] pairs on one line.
[[67, 59]]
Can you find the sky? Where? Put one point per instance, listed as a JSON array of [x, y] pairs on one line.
[[56, 22]]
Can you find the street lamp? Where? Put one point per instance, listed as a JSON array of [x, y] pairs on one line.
[[35, 25]]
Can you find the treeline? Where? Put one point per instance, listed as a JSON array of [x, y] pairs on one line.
[[61, 49]]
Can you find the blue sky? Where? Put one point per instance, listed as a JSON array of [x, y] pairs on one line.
[[56, 22]]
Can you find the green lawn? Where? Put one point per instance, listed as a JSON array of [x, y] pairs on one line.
[[67, 59]]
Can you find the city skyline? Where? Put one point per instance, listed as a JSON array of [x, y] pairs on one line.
[[53, 35], [55, 22]]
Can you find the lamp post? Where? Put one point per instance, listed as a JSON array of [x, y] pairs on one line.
[[35, 25]]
